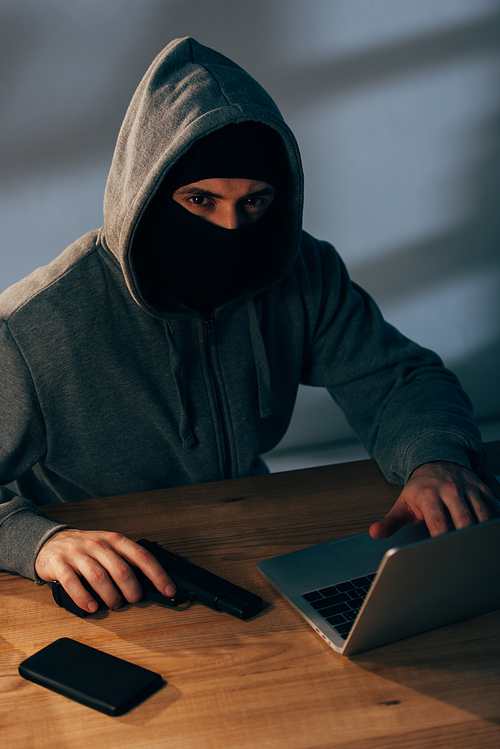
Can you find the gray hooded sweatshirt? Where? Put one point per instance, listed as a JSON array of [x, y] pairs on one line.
[[102, 394]]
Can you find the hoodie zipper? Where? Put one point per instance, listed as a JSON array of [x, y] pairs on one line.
[[222, 441]]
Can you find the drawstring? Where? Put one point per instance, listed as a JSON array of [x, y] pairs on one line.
[[261, 363], [186, 435]]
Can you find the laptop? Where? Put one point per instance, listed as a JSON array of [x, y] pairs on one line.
[[359, 593]]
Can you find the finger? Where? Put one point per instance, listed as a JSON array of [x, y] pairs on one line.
[[73, 586], [484, 506], [466, 504], [490, 500], [148, 564], [460, 512], [479, 505], [106, 586]]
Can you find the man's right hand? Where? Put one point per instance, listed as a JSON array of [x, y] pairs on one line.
[[103, 558]]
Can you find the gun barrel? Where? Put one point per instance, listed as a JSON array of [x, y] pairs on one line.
[[203, 586]]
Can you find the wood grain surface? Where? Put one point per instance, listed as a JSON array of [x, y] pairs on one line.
[[268, 682]]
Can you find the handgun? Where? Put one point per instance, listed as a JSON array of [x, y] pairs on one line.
[[193, 584]]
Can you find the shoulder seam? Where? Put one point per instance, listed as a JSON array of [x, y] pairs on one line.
[[47, 286]]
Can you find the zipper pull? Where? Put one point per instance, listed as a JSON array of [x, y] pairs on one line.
[[209, 326]]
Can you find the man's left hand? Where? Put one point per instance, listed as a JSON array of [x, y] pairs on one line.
[[445, 496]]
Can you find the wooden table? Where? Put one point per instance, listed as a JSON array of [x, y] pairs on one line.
[[268, 682]]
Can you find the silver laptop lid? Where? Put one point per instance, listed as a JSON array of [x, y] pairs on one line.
[[420, 585]]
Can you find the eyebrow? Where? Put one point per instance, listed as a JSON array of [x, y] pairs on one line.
[[209, 194]]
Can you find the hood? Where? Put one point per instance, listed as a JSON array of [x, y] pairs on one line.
[[188, 92]]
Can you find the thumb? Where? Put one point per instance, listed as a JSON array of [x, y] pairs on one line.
[[386, 527], [397, 517]]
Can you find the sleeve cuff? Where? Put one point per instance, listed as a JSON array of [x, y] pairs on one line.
[[24, 532], [431, 448]]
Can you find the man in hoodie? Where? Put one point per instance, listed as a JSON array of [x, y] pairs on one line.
[[167, 347]]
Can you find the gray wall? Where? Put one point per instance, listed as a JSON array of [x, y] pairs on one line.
[[395, 104]]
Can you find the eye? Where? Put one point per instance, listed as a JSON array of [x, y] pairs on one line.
[[255, 202], [198, 200]]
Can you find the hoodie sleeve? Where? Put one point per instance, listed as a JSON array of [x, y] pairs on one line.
[[23, 530], [405, 406]]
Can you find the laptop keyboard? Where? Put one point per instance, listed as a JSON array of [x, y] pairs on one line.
[[340, 604]]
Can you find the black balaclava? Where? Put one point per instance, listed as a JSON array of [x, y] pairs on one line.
[[202, 264]]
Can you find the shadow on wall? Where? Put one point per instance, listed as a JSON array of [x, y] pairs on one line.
[[468, 249], [77, 115], [409, 56]]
